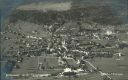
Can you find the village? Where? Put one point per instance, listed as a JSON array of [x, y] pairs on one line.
[[57, 47]]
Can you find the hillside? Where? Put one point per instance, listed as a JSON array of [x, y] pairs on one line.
[[97, 14]]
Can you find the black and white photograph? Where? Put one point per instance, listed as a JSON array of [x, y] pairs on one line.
[[63, 39]]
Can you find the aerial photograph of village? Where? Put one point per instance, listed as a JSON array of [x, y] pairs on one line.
[[64, 40]]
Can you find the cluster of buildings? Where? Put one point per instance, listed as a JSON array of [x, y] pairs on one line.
[[59, 45]]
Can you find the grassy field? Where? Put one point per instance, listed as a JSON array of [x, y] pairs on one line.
[[117, 69]]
